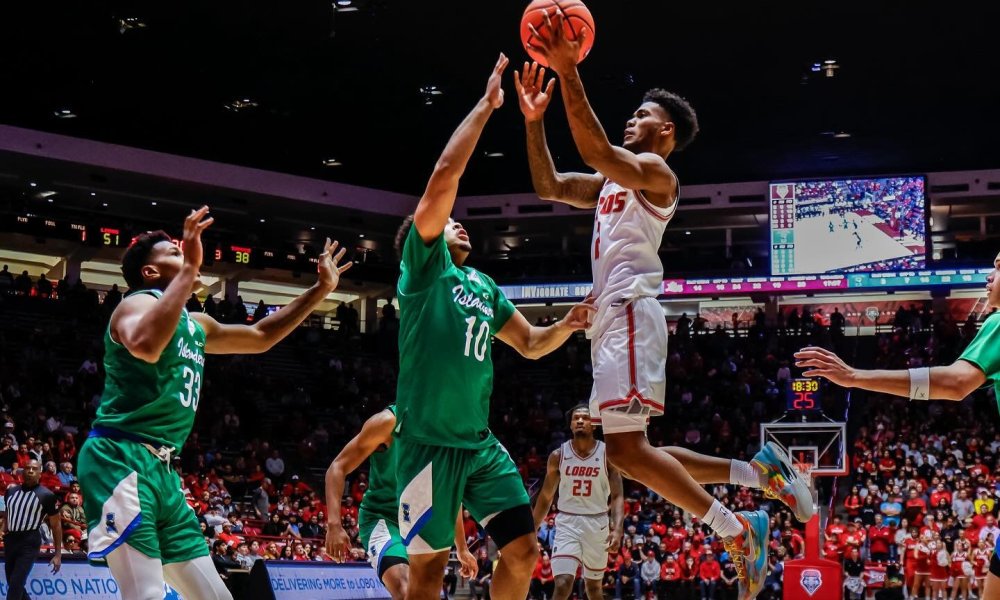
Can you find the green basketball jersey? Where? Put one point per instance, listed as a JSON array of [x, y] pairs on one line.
[[380, 499], [984, 352], [448, 315], [154, 401]]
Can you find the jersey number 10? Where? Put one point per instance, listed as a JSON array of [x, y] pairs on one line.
[[479, 346]]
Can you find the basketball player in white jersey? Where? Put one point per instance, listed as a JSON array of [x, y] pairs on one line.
[[635, 195], [591, 507]]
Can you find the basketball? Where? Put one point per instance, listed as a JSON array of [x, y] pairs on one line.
[[576, 19]]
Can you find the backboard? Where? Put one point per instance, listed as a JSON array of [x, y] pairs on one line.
[[817, 447]]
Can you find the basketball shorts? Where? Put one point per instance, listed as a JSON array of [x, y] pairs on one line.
[[629, 354], [433, 481], [380, 535], [131, 496], [581, 540]]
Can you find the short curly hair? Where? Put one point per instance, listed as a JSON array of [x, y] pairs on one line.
[[680, 112], [401, 233], [137, 256]]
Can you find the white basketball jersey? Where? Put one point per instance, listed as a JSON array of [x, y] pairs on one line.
[[583, 482], [624, 254]]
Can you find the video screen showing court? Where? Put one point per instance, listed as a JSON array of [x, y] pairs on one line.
[[848, 225]]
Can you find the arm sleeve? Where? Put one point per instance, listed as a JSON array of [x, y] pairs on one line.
[[984, 350], [422, 263]]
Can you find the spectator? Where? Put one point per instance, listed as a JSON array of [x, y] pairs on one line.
[[243, 555], [6, 281], [66, 476], [542, 580], [709, 573], [480, 584], [222, 559], [670, 577], [854, 567], [547, 533], [50, 478], [72, 516], [275, 466], [628, 578], [649, 573]]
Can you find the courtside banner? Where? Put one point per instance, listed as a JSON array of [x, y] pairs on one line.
[[324, 581], [74, 581]]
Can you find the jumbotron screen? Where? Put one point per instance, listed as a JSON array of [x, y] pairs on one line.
[[848, 225]]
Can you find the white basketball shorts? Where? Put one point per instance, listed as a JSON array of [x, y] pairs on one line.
[[629, 354], [580, 541]]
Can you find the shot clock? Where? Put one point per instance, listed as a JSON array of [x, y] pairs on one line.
[[804, 395]]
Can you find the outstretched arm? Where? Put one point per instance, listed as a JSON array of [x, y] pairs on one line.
[[954, 382], [376, 430], [144, 324], [535, 342], [576, 189], [223, 338], [644, 171], [544, 500], [439, 197]]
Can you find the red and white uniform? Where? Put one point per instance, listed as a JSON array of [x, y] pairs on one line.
[[629, 331], [981, 562], [958, 558], [582, 522], [939, 572], [921, 560]]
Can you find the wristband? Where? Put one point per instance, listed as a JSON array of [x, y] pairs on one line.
[[920, 383]]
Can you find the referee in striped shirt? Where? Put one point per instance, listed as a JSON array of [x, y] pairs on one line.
[[26, 506]]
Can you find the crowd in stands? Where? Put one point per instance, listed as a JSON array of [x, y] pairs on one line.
[[253, 466]]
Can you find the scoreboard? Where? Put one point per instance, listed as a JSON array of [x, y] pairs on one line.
[[108, 235], [804, 395]]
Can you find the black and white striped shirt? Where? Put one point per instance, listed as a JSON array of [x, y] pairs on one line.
[[26, 508]]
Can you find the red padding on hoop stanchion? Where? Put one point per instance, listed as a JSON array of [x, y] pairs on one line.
[[813, 577]]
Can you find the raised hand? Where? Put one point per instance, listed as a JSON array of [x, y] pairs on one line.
[[329, 267], [559, 51], [531, 96], [823, 363], [194, 224], [494, 91]]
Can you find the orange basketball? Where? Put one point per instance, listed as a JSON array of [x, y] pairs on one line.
[[576, 19]]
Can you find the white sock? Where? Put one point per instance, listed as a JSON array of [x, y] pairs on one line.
[[745, 474], [723, 521]]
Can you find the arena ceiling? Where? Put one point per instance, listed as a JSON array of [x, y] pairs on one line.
[[374, 87]]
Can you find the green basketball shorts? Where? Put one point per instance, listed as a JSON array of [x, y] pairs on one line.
[[130, 496], [433, 481]]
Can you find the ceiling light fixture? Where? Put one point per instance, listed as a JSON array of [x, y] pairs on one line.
[[332, 162], [241, 104], [64, 113], [33, 184], [129, 24]]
